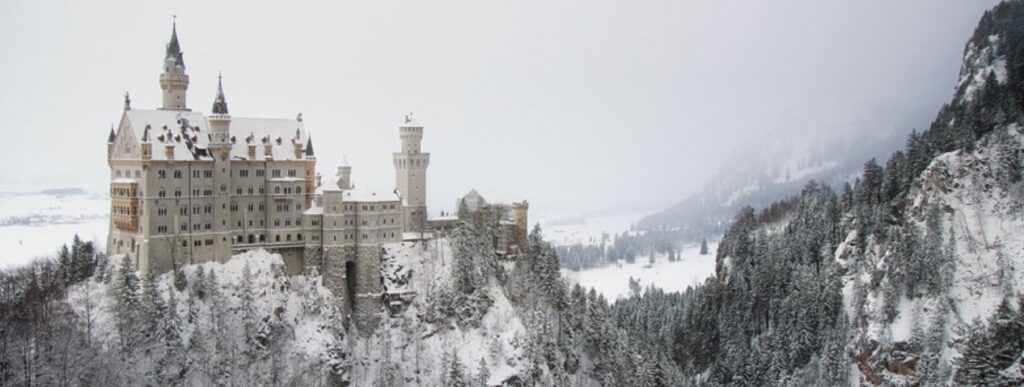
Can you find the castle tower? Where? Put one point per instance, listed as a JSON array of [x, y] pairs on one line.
[[344, 175], [174, 81], [411, 175], [519, 217], [220, 148]]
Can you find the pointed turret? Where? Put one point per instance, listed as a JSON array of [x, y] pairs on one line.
[[173, 48], [110, 138], [220, 105], [309, 147], [174, 81], [220, 120]]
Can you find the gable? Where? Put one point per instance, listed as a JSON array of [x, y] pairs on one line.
[[126, 145]]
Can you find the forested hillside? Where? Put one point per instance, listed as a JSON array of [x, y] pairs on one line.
[[913, 274]]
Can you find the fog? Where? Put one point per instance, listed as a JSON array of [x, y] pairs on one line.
[[579, 106]]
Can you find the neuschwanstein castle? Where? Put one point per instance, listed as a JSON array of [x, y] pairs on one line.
[[187, 187]]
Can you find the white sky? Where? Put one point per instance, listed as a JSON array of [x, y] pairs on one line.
[[576, 104]]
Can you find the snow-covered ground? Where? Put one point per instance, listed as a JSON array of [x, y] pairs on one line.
[[613, 281], [35, 224], [588, 230]]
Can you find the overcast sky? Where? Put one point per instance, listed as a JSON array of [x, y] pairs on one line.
[[576, 105]]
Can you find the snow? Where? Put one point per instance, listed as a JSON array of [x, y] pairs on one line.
[[412, 343], [241, 128], [359, 195], [613, 281], [989, 240], [982, 63], [588, 230], [34, 224]]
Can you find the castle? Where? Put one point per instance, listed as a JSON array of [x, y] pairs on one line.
[[189, 188]]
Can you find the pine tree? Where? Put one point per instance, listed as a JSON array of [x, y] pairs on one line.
[[455, 375], [128, 304], [976, 365], [704, 246], [483, 374], [171, 365]]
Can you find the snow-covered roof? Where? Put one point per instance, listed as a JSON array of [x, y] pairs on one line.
[[287, 179], [124, 180], [166, 129], [358, 195], [314, 211]]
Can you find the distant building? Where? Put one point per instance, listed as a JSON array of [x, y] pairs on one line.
[[509, 220]]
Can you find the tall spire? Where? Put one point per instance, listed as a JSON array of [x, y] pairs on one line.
[[173, 48], [309, 146], [220, 105]]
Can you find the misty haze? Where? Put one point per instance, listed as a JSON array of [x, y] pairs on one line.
[[448, 193]]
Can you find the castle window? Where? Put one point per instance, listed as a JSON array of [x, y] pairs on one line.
[[195, 174], [184, 227], [287, 222], [277, 190], [276, 173], [250, 190], [195, 209], [299, 237], [263, 238], [223, 188], [277, 238], [288, 237], [277, 222], [291, 173], [250, 207], [162, 174], [298, 190], [209, 242], [209, 226], [161, 229], [177, 193], [161, 193], [243, 173], [137, 175], [207, 174], [177, 174], [364, 237], [261, 190], [184, 243], [197, 243], [238, 191], [161, 211], [261, 173]]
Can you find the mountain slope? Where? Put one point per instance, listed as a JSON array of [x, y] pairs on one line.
[[912, 275]]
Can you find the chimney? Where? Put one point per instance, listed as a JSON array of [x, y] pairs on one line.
[[252, 151], [298, 149], [169, 151]]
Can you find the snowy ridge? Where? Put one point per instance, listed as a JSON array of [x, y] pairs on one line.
[[981, 227], [407, 350]]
